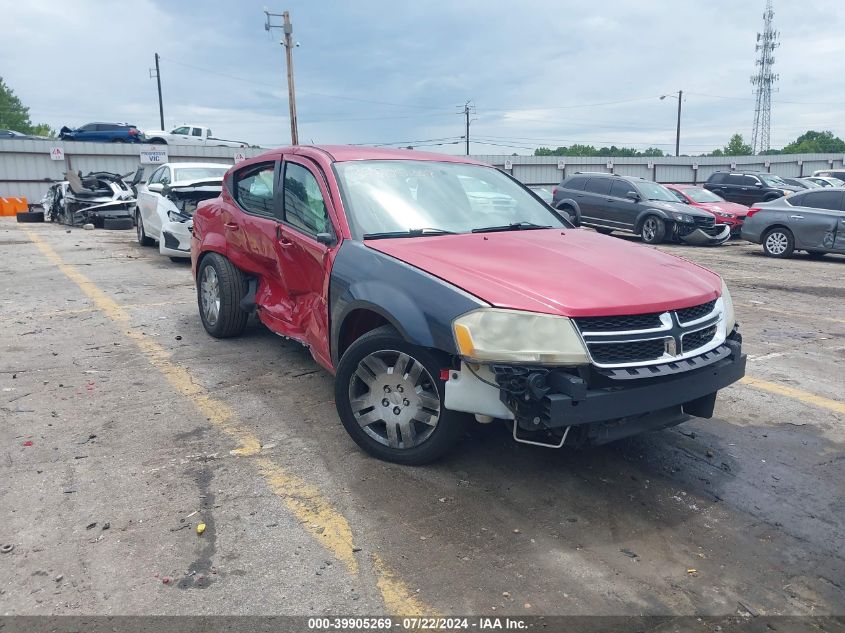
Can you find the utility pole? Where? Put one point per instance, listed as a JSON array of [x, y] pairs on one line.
[[288, 43], [158, 81], [468, 108], [678, 131]]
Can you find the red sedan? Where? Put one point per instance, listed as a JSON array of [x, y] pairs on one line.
[[729, 213]]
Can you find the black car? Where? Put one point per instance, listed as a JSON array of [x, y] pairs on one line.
[[610, 203], [748, 187]]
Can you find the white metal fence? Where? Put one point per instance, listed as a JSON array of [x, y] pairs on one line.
[[27, 167]]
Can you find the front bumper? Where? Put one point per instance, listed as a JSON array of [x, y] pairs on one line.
[[719, 234], [598, 405], [176, 239]]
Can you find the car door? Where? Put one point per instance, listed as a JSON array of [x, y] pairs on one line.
[[196, 136], [152, 215], [250, 217], [147, 199], [306, 237], [815, 219], [182, 135], [622, 209], [594, 203]]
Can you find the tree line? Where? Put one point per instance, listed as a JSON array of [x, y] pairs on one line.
[[810, 142]]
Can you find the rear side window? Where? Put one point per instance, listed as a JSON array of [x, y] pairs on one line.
[[821, 200], [576, 183], [716, 178], [196, 131], [598, 185], [305, 208], [254, 188]]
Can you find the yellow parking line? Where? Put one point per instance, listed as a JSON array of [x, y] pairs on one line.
[[796, 394], [328, 526]]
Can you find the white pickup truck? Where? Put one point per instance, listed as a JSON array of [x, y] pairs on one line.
[[190, 135]]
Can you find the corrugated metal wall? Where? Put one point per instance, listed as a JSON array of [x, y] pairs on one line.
[[543, 170], [26, 168]]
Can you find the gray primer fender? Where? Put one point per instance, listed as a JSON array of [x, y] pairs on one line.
[[419, 305]]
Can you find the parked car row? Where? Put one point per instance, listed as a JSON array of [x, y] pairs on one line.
[[128, 133]]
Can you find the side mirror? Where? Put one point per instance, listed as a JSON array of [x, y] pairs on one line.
[[759, 185], [156, 187], [325, 238], [633, 195]]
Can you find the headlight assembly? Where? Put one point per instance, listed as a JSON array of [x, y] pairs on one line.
[[682, 217], [512, 336], [727, 302]]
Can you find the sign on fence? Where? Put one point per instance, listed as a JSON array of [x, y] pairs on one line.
[[153, 156], [508, 164], [239, 157], [561, 164], [57, 153]]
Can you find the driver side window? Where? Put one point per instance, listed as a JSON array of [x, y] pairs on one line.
[[155, 176]]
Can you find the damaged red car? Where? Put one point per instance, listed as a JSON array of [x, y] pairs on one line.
[[438, 289]]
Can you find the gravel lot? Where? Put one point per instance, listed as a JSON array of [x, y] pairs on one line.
[[124, 425]]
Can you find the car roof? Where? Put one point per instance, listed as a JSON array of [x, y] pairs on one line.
[[608, 174], [195, 165], [343, 153]]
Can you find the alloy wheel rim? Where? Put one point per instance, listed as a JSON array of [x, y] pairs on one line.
[[210, 294], [649, 229], [394, 399], [776, 243]]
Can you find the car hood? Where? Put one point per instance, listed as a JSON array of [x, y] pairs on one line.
[[727, 207], [568, 272], [677, 207]]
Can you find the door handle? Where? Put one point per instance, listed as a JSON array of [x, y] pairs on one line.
[[232, 226], [283, 241]]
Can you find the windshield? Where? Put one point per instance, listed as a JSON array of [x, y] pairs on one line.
[[653, 191], [697, 194], [199, 173], [772, 181], [383, 196]]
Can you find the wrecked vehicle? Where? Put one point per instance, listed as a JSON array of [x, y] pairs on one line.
[[100, 198], [167, 201], [428, 307], [607, 203]]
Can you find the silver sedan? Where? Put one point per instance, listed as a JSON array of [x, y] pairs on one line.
[[812, 221]]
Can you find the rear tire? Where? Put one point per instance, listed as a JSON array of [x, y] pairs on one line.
[[117, 224], [413, 427], [143, 240], [653, 230], [220, 288], [28, 217], [778, 242]]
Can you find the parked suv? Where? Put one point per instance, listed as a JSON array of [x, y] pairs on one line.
[[103, 133], [428, 303], [748, 187], [610, 203]]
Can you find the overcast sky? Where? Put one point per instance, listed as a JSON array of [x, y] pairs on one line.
[[539, 72]]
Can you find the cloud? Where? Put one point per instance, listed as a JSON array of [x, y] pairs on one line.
[[380, 71]]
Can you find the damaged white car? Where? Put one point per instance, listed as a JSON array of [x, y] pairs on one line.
[[100, 198], [167, 201]]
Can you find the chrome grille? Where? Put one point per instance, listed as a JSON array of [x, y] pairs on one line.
[[704, 222], [644, 339], [695, 312], [635, 351], [694, 340], [619, 323]]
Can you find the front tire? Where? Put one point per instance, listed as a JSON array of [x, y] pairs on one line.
[[653, 230], [778, 242], [389, 397], [220, 288], [143, 240]]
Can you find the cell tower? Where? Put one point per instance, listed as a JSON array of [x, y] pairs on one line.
[[767, 42]]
